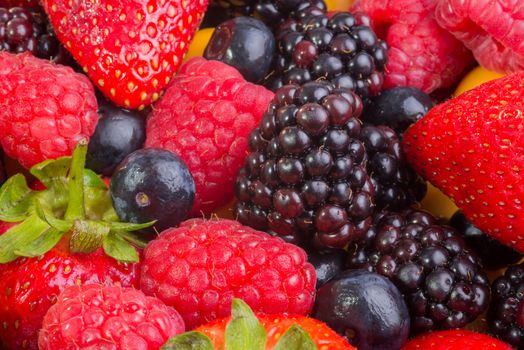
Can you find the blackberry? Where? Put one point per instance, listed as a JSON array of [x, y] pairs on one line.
[[506, 312], [441, 279], [316, 173], [342, 49], [24, 29]]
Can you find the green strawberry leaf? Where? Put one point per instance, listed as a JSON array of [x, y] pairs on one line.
[[133, 238], [46, 215], [296, 338], [87, 236], [244, 331], [189, 341], [19, 236], [15, 199], [118, 248], [128, 226], [52, 172], [44, 243], [75, 207], [92, 180]]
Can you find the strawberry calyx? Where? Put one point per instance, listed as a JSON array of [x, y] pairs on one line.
[[74, 207], [243, 331]]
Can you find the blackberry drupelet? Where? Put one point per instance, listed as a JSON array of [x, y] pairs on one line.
[[506, 312], [316, 173], [342, 49], [27, 30], [441, 279]]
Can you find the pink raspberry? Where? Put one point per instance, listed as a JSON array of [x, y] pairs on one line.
[[421, 54], [492, 29], [199, 267], [98, 317], [45, 109], [205, 118]]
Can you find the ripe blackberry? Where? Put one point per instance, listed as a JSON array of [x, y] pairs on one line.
[[24, 29], [506, 312], [342, 49], [317, 172], [441, 279]]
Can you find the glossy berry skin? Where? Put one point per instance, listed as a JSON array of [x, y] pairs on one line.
[[45, 109], [245, 43], [275, 326], [205, 118], [506, 312], [342, 49], [99, 317], [327, 265], [366, 308], [398, 108], [485, 184], [455, 340], [30, 286], [493, 254], [20, 3], [316, 173], [152, 184], [200, 266], [118, 133], [441, 279], [130, 49]]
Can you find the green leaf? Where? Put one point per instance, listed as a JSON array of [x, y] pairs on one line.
[[296, 338], [20, 236], [47, 216], [52, 172], [87, 236], [118, 248], [127, 226], [244, 331], [189, 341], [75, 207], [133, 238], [15, 199], [42, 244], [92, 180]]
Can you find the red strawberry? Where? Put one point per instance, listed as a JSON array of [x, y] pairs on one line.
[[129, 48], [455, 340], [99, 317], [45, 109], [472, 148], [41, 253], [267, 331]]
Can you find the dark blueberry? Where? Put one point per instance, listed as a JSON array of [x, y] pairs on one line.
[[398, 108], [494, 255], [245, 43], [327, 265], [152, 184], [118, 133], [366, 308]]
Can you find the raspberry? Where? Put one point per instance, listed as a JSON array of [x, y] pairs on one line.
[[199, 267], [421, 53], [45, 109], [98, 317], [492, 29], [205, 117]]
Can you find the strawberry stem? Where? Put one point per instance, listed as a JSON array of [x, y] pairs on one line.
[[75, 208]]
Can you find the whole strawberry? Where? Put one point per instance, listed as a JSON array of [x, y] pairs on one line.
[[129, 48], [472, 148], [205, 117], [57, 237], [261, 332], [455, 340], [200, 266], [45, 109], [99, 317]]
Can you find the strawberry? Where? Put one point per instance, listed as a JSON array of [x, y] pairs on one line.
[[61, 235], [455, 340], [265, 332], [129, 48], [472, 148]]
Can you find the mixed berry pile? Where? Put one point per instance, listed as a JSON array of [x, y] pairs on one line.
[[261, 174]]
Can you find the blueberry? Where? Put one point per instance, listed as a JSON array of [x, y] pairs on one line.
[[494, 255], [118, 133], [398, 108], [244, 43], [366, 308], [152, 184], [327, 265]]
